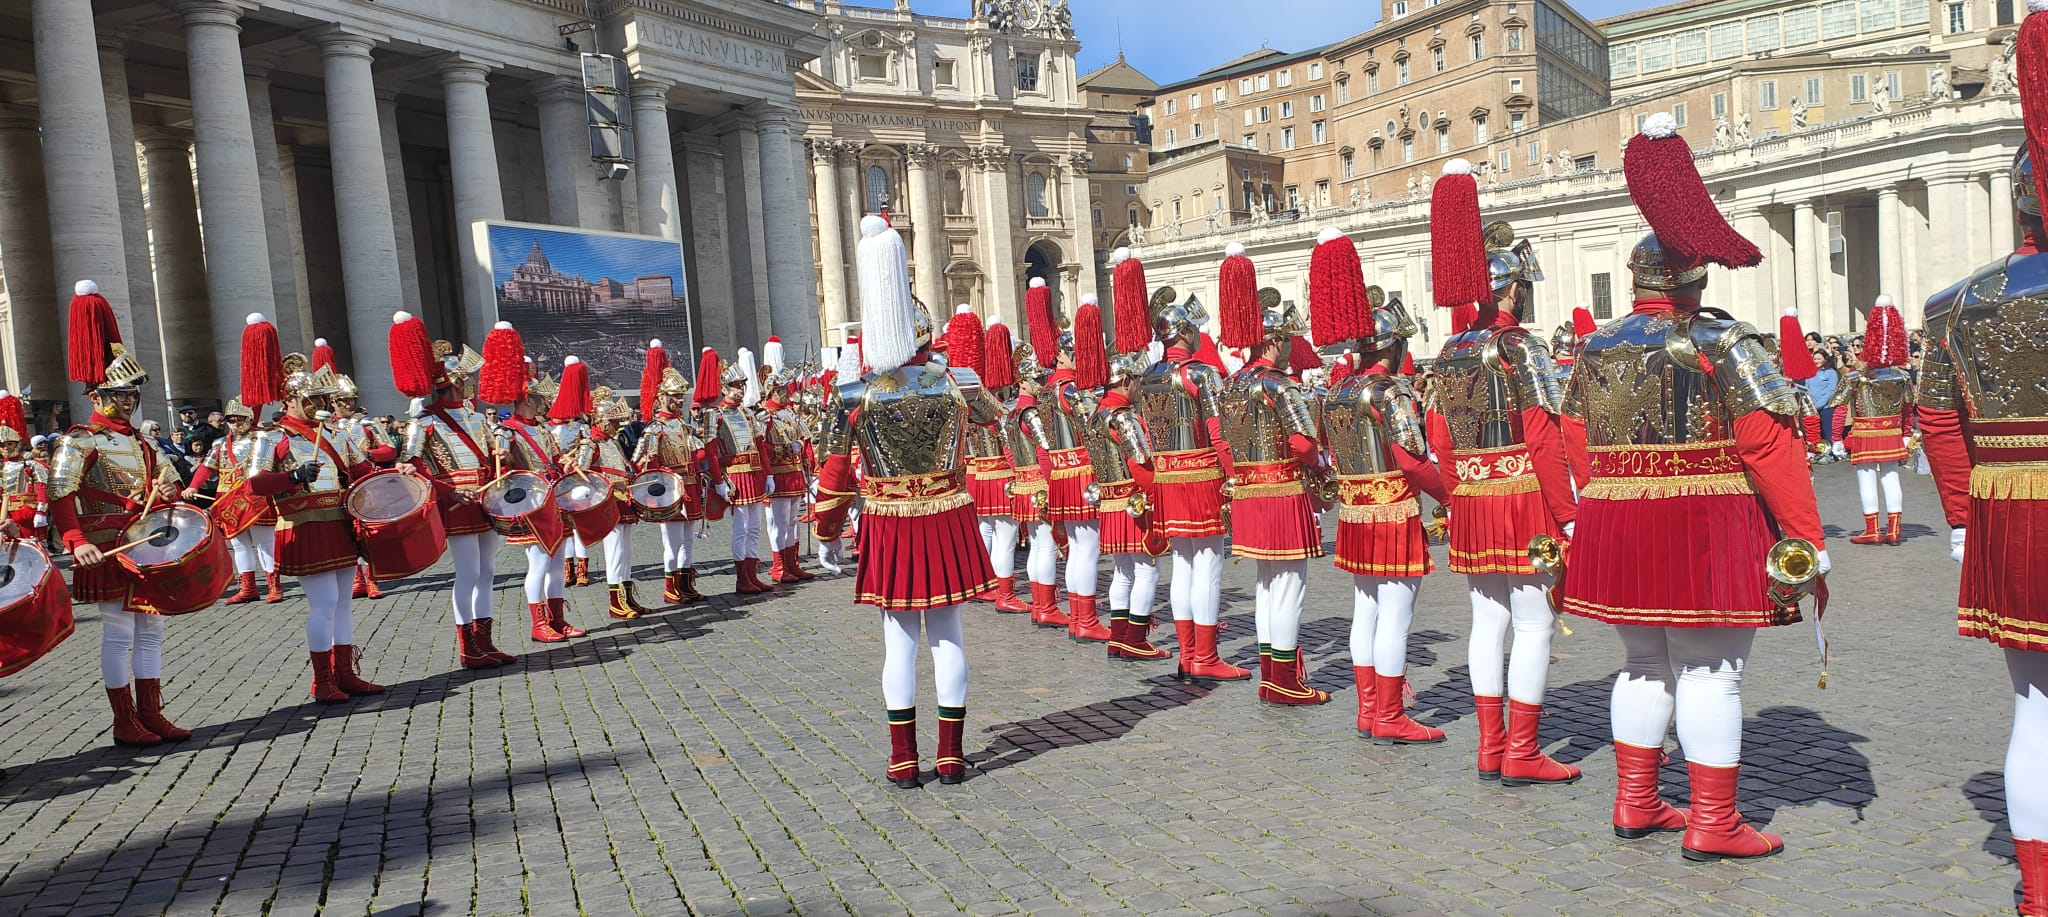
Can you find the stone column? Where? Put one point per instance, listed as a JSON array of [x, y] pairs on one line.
[[473, 165], [1005, 289], [655, 171], [143, 335], [78, 168], [746, 235], [575, 196], [1809, 255], [294, 310], [711, 259], [411, 280], [1946, 247], [831, 234], [1977, 197], [2002, 228], [362, 199], [230, 198], [191, 355], [929, 221], [1081, 216], [852, 206], [25, 261], [792, 273], [1890, 267]]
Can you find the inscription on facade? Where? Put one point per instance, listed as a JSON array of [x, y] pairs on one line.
[[713, 48], [874, 119]]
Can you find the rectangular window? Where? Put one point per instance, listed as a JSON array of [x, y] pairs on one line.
[[1892, 84], [1217, 202], [1132, 215], [1479, 129], [1315, 103], [1408, 149], [1656, 54], [1678, 113], [1195, 131], [1285, 77], [1586, 163], [1251, 142], [1505, 159], [1173, 106], [1350, 165], [1251, 116], [1263, 82], [1294, 197], [873, 66], [1812, 96], [1689, 48], [1287, 109], [1514, 87], [945, 73], [1957, 24], [1265, 113], [1514, 122], [1720, 105], [1603, 296], [1436, 60], [1130, 189], [1913, 14], [1802, 26], [1195, 102], [1318, 132], [1879, 15], [1859, 88], [1400, 8], [1372, 85], [1514, 39], [1478, 46], [1535, 153], [1244, 86], [1315, 71], [1222, 94], [1763, 33], [1837, 19], [1287, 138], [1027, 75], [1621, 60], [1767, 95], [1401, 72], [1724, 40], [1323, 193], [1170, 138], [1098, 218], [1176, 208], [1428, 274]]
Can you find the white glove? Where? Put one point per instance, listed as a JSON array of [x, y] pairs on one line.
[[723, 490], [1955, 543], [1822, 567], [416, 408], [41, 520], [1570, 527]]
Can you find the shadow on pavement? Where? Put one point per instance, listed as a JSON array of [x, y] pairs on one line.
[[1102, 721], [1986, 792]]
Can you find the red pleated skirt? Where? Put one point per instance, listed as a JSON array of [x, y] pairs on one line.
[[306, 548], [911, 563], [2004, 595], [1693, 560], [1030, 480], [986, 478], [1121, 533], [1490, 532], [746, 488], [1275, 528], [467, 519], [1187, 494], [1068, 474], [1877, 439], [788, 484], [104, 582], [1391, 549]]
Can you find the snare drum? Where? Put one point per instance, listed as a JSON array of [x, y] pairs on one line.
[[397, 523], [658, 493], [587, 501], [35, 608], [182, 564], [522, 504]]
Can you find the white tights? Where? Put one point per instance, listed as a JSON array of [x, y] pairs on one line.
[[1706, 693], [746, 530], [899, 663], [255, 549], [1084, 550], [1382, 608], [1498, 600], [676, 536], [1283, 584], [1867, 478], [124, 635], [999, 536], [2026, 759], [618, 555], [1196, 590], [331, 619], [544, 573], [476, 565], [1133, 583], [1043, 563], [781, 523]]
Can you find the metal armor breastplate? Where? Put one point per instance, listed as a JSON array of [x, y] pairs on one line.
[[533, 447], [1879, 392], [609, 457], [17, 479], [1023, 451], [121, 468], [1103, 454], [736, 433], [984, 441], [1061, 411], [1173, 415], [785, 438], [1471, 392], [911, 420], [676, 442], [1999, 348], [1256, 416], [1364, 419], [300, 451], [445, 450], [1632, 389]]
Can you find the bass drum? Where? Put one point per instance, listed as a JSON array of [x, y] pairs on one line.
[[182, 563], [587, 501], [397, 523], [658, 494], [35, 607]]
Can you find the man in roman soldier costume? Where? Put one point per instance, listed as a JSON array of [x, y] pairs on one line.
[[1879, 396], [248, 522], [1122, 454], [989, 472], [671, 441], [450, 442], [1028, 491], [599, 453], [1372, 428], [1982, 416], [921, 556], [833, 554], [1054, 429], [568, 418], [784, 444], [1493, 426], [306, 473], [1270, 425], [738, 464], [23, 482], [1682, 432], [369, 438], [102, 477], [525, 444]]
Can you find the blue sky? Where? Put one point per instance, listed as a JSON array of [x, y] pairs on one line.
[[1173, 40], [591, 257]]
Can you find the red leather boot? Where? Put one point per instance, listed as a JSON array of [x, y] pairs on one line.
[[1083, 624], [1392, 725], [558, 616], [1200, 660], [481, 633], [618, 608], [370, 590], [952, 763], [749, 578], [672, 587], [633, 601], [1045, 608], [324, 689], [1525, 762], [1363, 676], [1493, 735], [794, 564], [247, 593], [1184, 635], [128, 730], [1870, 534], [903, 749], [358, 590], [1119, 626], [149, 711], [687, 581], [1714, 830], [777, 571], [276, 593], [1137, 641], [1891, 522], [1282, 683], [345, 675], [1639, 810], [2033, 859], [468, 653], [543, 625], [1006, 596]]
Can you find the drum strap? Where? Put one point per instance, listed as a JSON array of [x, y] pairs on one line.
[[526, 433], [461, 434]]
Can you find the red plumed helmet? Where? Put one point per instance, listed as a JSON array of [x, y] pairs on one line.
[[413, 367], [963, 340], [1463, 317], [323, 355], [262, 363], [1206, 352], [1131, 298], [1582, 322], [503, 378], [93, 334], [1666, 187], [1884, 341], [998, 365], [1045, 332], [1457, 244], [1091, 361], [709, 389], [1341, 368], [650, 379], [1302, 356], [1792, 352], [1407, 364], [573, 399], [1237, 299], [1337, 307], [11, 414]]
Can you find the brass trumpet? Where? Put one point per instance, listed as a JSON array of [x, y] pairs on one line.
[[1039, 499], [1438, 529], [1010, 488], [1325, 488], [1791, 563], [1092, 494], [1136, 504], [1546, 554], [1228, 488]]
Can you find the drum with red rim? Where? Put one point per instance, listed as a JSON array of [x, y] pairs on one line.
[[658, 493], [587, 500], [398, 525], [35, 607], [514, 500], [181, 561]]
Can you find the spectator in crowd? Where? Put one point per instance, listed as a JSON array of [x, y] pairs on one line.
[[1821, 388], [167, 450]]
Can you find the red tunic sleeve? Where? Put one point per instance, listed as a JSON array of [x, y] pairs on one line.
[[1948, 456], [1573, 431], [1422, 475], [835, 495], [1546, 449], [200, 476], [64, 517], [1777, 469], [1438, 432]]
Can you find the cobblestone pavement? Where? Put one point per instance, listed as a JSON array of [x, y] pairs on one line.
[[728, 760]]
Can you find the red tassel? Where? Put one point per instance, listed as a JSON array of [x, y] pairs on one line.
[[963, 341], [1792, 352], [1237, 295], [1582, 322], [1131, 297], [262, 363], [709, 388], [1206, 352], [1337, 305], [573, 400], [11, 414], [1667, 188], [413, 367], [93, 334], [503, 378], [1091, 362], [999, 364], [2031, 49], [323, 355], [1457, 246], [650, 379], [1045, 334], [1884, 341], [1463, 317], [1302, 356]]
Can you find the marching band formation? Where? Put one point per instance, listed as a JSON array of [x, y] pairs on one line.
[[1659, 460]]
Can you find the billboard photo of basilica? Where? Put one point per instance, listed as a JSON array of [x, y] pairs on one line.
[[596, 295]]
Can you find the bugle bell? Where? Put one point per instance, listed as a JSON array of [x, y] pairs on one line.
[[1010, 488], [1136, 504], [1546, 554], [1325, 488], [1228, 488], [1092, 494], [1791, 563]]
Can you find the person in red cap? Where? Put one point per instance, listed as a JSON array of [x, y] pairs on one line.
[[449, 441], [524, 443], [990, 475], [1028, 491], [569, 417], [786, 445], [1053, 427], [247, 521], [598, 452], [23, 482], [672, 441], [1879, 398], [369, 438], [1122, 453], [739, 465], [921, 554], [101, 478], [1681, 431]]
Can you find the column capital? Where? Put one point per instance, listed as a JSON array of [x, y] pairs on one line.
[[461, 68], [1885, 191], [921, 155], [650, 91], [111, 40], [1945, 178], [214, 12], [823, 152], [385, 94], [559, 83], [772, 115], [157, 138], [341, 41], [258, 65], [696, 143]]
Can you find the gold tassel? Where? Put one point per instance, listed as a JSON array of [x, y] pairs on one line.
[[1527, 483], [1704, 485], [2016, 481]]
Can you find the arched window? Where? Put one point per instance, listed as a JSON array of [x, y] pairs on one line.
[[956, 193], [1034, 194], [878, 189]]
